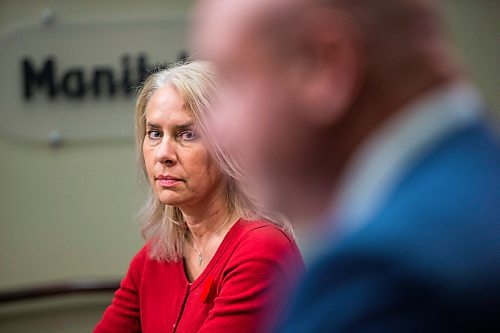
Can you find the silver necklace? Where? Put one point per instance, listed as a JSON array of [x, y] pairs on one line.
[[200, 252]]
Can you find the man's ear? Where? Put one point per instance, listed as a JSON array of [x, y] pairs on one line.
[[333, 64]]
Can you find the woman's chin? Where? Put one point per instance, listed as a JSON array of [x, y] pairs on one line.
[[171, 200]]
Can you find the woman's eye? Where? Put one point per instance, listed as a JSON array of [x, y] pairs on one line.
[[187, 135], [154, 134]]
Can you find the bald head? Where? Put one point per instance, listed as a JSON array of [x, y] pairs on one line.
[[394, 38], [306, 81], [390, 30]]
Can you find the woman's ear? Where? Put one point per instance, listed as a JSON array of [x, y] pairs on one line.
[[333, 59]]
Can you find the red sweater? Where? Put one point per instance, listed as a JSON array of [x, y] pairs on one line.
[[235, 293]]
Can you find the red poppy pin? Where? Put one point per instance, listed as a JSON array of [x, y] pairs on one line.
[[206, 294]]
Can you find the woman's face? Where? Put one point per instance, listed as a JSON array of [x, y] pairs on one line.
[[179, 166]]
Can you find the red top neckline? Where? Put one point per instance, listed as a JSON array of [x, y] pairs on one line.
[[215, 259]]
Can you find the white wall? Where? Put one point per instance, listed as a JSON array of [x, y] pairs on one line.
[[69, 212], [474, 27]]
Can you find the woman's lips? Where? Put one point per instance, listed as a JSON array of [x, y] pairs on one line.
[[167, 181]]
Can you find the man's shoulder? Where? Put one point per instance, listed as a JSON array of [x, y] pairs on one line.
[[453, 192], [473, 150], [457, 181], [437, 235]]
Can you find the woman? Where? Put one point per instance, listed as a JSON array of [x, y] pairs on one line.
[[211, 262]]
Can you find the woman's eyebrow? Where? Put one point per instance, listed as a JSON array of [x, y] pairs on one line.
[[186, 125]]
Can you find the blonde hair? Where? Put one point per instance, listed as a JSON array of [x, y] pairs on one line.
[[163, 226]]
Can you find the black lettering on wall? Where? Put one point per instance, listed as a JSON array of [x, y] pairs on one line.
[[72, 84], [79, 82], [43, 78], [142, 68], [126, 81], [103, 75]]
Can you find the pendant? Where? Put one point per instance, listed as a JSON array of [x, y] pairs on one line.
[[200, 259]]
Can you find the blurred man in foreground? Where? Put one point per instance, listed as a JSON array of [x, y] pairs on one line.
[[355, 114]]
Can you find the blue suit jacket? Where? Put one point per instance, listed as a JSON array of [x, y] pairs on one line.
[[428, 262]]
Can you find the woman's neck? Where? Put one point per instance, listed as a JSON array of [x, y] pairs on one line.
[[202, 226], [208, 226], [205, 218]]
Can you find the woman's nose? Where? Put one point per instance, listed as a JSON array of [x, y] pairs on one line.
[[166, 152]]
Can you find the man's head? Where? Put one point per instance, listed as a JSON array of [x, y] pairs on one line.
[[304, 82]]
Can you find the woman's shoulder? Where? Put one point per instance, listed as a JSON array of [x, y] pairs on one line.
[[143, 261], [144, 256], [263, 229], [264, 245], [257, 236], [140, 258]]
